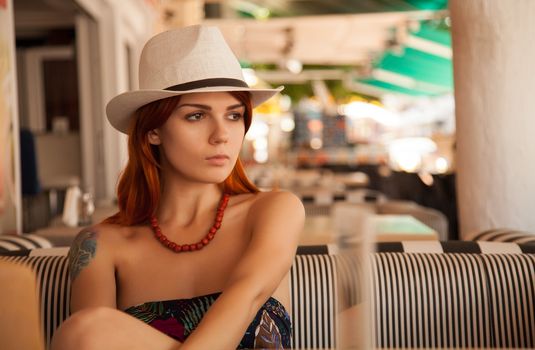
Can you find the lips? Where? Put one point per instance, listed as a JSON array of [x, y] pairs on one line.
[[219, 160], [218, 156]]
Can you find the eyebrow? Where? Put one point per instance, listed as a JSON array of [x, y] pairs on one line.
[[208, 108]]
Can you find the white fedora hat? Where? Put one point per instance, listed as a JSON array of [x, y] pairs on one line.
[[182, 61]]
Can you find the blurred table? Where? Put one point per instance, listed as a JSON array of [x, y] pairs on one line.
[[384, 228], [353, 180], [395, 228], [318, 230]]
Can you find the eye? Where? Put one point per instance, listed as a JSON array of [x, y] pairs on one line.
[[235, 116], [195, 116]]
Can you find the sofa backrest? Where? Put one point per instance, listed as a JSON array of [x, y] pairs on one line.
[[22, 242], [485, 298], [453, 300], [502, 235]]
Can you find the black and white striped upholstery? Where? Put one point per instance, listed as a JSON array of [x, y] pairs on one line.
[[482, 297], [22, 242], [453, 300], [513, 303], [314, 303], [503, 235], [479, 247]]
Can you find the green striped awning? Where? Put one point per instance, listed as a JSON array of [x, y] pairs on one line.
[[377, 87], [421, 67]]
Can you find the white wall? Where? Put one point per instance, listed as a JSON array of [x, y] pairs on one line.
[[493, 55], [118, 25]]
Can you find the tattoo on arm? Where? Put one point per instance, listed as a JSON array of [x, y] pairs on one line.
[[82, 251]]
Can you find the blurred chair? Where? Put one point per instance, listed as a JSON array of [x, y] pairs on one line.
[[34, 200], [321, 201], [365, 195], [502, 235], [317, 210], [353, 180], [429, 216], [9, 243], [28, 163], [57, 174]]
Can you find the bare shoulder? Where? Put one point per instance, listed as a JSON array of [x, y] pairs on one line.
[[94, 240], [281, 206], [107, 234], [278, 199]]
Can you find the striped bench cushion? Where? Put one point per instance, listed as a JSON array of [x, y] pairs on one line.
[[453, 300], [479, 247], [22, 242], [504, 235], [431, 246], [313, 286]]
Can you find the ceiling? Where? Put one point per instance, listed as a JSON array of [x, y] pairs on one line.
[[35, 17], [373, 46], [317, 40], [406, 53]]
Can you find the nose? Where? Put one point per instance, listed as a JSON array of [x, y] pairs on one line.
[[220, 133]]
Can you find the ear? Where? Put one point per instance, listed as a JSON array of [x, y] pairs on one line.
[[154, 137]]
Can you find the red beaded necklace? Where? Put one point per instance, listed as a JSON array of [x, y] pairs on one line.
[[178, 248]]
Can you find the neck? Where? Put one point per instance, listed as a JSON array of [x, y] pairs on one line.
[[181, 205]]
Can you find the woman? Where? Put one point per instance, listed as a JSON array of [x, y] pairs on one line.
[[196, 254]]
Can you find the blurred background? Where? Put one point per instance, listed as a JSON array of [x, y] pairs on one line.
[[366, 116]]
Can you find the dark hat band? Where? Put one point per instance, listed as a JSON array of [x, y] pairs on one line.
[[197, 84]]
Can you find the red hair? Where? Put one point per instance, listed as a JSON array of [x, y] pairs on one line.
[[138, 191]]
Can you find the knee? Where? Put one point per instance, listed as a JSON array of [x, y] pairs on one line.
[[84, 329]]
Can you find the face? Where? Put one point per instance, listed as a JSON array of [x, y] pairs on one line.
[[202, 138]]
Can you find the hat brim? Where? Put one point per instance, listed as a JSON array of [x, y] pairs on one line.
[[122, 107]]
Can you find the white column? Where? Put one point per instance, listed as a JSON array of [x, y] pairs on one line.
[[494, 70], [114, 26]]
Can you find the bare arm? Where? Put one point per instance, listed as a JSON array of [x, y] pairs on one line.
[[95, 322], [92, 271], [276, 221]]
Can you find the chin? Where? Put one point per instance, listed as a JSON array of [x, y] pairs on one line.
[[217, 176]]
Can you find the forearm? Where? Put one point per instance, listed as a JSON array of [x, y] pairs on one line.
[[276, 225], [224, 325]]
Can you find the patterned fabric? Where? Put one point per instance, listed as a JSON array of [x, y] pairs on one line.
[[271, 327], [503, 235], [453, 300], [479, 247], [22, 242], [513, 303], [314, 289]]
